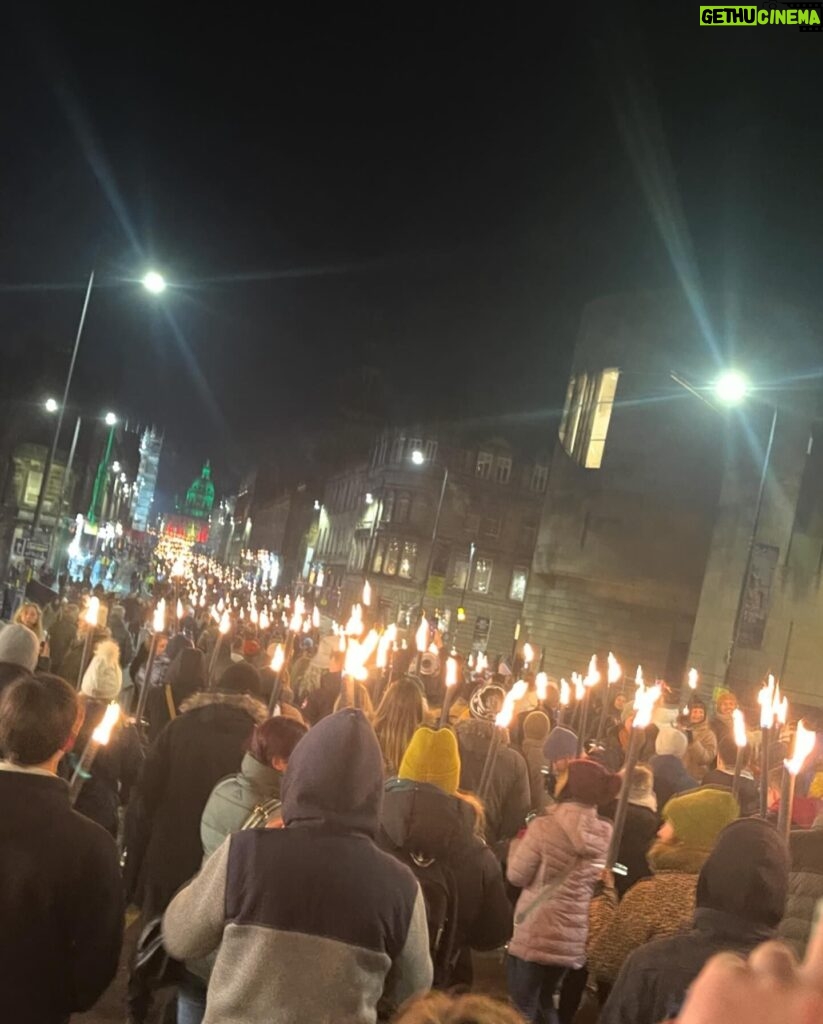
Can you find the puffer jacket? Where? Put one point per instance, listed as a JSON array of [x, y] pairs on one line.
[[702, 751], [805, 886], [233, 799], [571, 838], [419, 818], [509, 796]]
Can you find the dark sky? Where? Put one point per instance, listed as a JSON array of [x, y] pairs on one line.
[[432, 194]]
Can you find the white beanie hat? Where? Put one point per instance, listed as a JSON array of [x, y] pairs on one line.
[[103, 679], [19, 646], [671, 741]]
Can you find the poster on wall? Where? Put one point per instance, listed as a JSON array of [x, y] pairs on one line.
[[755, 610]]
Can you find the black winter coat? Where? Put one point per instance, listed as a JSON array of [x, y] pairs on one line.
[[205, 744], [422, 819], [61, 903], [638, 835], [509, 794], [805, 886]]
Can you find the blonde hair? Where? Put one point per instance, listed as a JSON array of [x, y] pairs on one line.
[[439, 1008], [38, 626], [359, 698], [476, 805], [400, 713]]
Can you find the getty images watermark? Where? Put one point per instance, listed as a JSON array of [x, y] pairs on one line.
[[806, 17]]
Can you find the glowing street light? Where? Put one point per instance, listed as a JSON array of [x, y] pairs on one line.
[[154, 282], [417, 457], [111, 419], [51, 405], [731, 387]]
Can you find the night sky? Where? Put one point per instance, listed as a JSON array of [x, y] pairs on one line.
[[432, 196]]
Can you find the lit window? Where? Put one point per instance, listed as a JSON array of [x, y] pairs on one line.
[[540, 478], [408, 559], [483, 466], [387, 509], [34, 480], [517, 590], [503, 469], [430, 451], [460, 574], [482, 576], [392, 558], [415, 445], [379, 556], [586, 417]]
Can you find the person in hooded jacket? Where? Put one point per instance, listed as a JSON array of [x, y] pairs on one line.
[[116, 766], [120, 634], [557, 864], [702, 750], [805, 886], [508, 798], [659, 906], [741, 895], [19, 652], [197, 749], [536, 729], [185, 676], [425, 815], [670, 775], [270, 906]]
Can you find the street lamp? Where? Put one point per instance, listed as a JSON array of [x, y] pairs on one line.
[[419, 459], [51, 405], [110, 419], [731, 387], [152, 282]]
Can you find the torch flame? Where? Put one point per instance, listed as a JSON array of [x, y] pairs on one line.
[[481, 662], [179, 608], [644, 702], [159, 622], [355, 627], [225, 623], [221, 604], [384, 646], [354, 666], [693, 677], [614, 671], [773, 709], [179, 568], [592, 675], [579, 687], [451, 671], [110, 718], [541, 684], [519, 690], [278, 658], [254, 616], [565, 694], [367, 594], [740, 737], [296, 623], [342, 643], [287, 601], [92, 611], [202, 601], [299, 606], [506, 713], [421, 637], [369, 645], [215, 614], [638, 676], [528, 655], [315, 617], [804, 742], [265, 622]]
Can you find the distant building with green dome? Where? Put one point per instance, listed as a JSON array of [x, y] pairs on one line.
[[192, 518]]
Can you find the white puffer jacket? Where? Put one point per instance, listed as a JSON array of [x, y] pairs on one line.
[[569, 835]]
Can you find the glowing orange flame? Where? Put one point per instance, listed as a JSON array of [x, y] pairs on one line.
[[421, 637], [225, 623], [693, 677], [92, 611], [804, 742], [367, 594], [528, 655], [278, 658], [159, 620], [614, 671], [593, 674], [111, 715], [565, 694], [740, 737], [451, 671], [644, 702], [541, 684], [519, 690]]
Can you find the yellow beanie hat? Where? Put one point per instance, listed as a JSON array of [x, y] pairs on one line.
[[432, 756]]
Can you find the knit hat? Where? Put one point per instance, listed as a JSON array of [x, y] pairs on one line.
[[19, 646], [641, 788], [103, 679], [240, 677], [486, 701], [536, 725], [432, 756], [561, 745], [699, 816], [590, 783], [671, 741]]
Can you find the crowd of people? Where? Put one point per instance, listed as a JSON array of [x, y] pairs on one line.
[[302, 846]]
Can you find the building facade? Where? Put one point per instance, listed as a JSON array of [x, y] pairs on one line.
[[652, 502], [467, 564]]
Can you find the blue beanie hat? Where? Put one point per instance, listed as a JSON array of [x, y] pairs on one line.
[[561, 744]]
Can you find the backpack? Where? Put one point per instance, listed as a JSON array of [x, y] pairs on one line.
[[439, 890]]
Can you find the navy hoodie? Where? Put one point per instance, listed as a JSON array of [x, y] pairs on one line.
[[313, 921]]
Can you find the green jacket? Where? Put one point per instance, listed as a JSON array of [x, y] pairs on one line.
[[233, 799]]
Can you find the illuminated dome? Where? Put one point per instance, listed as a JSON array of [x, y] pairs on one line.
[[200, 496]]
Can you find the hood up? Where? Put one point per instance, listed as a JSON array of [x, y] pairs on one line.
[[255, 709], [420, 818], [747, 873], [335, 775], [587, 832]]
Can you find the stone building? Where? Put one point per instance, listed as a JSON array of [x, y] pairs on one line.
[[652, 502], [377, 522]]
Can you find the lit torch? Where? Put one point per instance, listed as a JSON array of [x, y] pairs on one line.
[[451, 689], [222, 631], [565, 700], [804, 742], [614, 673], [592, 679], [90, 617], [99, 738], [741, 742], [277, 662], [501, 723], [367, 594]]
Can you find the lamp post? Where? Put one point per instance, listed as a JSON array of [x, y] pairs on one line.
[[419, 459], [733, 388], [98, 494], [153, 282]]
